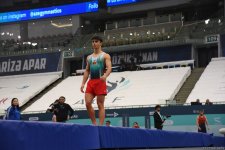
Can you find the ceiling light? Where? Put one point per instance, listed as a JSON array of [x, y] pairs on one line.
[[34, 44], [207, 21], [61, 25]]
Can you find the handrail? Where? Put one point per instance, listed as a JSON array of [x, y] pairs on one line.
[[132, 106], [121, 107]]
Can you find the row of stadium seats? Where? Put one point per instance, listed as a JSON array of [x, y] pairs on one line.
[[136, 22], [211, 84], [125, 89], [138, 39], [202, 28], [24, 87], [36, 43], [142, 34], [116, 37], [146, 87]]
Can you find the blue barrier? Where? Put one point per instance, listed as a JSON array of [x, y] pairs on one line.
[[114, 137], [57, 136], [218, 141], [47, 136]]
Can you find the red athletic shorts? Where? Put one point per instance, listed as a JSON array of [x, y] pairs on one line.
[[96, 87]]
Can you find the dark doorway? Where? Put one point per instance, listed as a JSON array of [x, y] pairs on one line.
[[205, 54], [75, 65], [70, 66]]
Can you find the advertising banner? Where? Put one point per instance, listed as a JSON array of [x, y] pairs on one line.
[[153, 55], [54, 11], [28, 64]]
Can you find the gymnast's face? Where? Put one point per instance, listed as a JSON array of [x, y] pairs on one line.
[[96, 44]]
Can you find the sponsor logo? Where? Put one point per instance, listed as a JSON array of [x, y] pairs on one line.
[[23, 87], [19, 65], [114, 114], [74, 117], [33, 118]]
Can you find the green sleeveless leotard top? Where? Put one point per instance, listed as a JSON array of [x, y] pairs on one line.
[[97, 66]]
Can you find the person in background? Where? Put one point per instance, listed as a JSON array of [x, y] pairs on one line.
[[13, 112], [135, 125], [201, 122], [108, 123], [51, 109], [158, 120], [207, 102], [197, 102], [62, 111]]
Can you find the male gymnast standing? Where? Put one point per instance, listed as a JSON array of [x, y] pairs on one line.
[[98, 67]]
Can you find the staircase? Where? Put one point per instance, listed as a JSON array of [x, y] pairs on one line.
[[187, 87]]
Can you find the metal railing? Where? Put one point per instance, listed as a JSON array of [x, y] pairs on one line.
[[125, 107], [131, 106], [192, 33]]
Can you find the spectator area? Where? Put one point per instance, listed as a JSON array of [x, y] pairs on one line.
[[125, 89], [211, 84], [24, 87]]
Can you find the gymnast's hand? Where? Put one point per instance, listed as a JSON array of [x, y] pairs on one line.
[[103, 78], [82, 88]]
